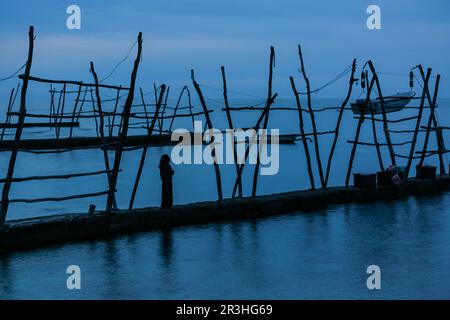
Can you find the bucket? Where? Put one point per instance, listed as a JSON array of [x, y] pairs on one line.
[[384, 178], [365, 181], [425, 172]]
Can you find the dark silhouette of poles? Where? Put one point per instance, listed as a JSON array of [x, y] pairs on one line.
[[124, 128], [383, 112], [358, 130], [339, 120], [21, 119], [74, 111], [417, 127], [210, 126], [432, 120], [144, 150], [313, 121], [111, 129], [12, 99], [102, 131], [266, 120], [185, 88], [302, 133], [247, 151], [230, 125]]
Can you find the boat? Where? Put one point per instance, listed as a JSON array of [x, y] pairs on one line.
[[392, 103]]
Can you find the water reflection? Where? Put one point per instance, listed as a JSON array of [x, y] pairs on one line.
[[305, 255]]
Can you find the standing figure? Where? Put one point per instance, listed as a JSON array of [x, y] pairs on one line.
[[166, 172]]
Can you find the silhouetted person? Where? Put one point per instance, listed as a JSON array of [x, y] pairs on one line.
[[166, 172]]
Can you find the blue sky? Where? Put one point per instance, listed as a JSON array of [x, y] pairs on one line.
[[205, 34]]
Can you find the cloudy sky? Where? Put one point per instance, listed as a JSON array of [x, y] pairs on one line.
[[205, 34]]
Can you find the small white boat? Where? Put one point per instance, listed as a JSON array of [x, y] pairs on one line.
[[392, 103]]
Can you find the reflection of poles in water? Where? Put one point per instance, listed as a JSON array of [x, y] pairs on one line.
[[166, 247], [166, 172], [6, 283]]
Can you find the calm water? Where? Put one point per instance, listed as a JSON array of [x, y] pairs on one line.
[[309, 255]]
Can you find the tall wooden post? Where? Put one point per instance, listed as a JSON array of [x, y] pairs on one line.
[[313, 121], [383, 112], [432, 119], [74, 111], [12, 99], [102, 131], [338, 123], [230, 125], [302, 133], [144, 151], [176, 107], [358, 130], [266, 120], [210, 126], [18, 134], [111, 129], [375, 137], [419, 119], [247, 150], [124, 128]]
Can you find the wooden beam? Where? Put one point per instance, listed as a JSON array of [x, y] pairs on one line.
[[12, 160]]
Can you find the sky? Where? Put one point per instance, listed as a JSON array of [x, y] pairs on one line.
[[206, 34]]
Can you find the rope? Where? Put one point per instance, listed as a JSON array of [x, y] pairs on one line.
[[9, 77], [235, 92], [120, 62], [406, 75], [339, 76]]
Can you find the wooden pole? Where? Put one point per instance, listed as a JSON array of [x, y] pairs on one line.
[[339, 120], [12, 99], [302, 133], [145, 111], [81, 106], [111, 129], [419, 119], [22, 111], [74, 111], [247, 151], [124, 128], [313, 121], [358, 130], [176, 107], [375, 137], [164, 109], [93, 111], [144, 151], [266, 120], [383, 112], [432, 119], [210, 126], [56, 115], [230, 125], [62, 111], [102, 131]]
